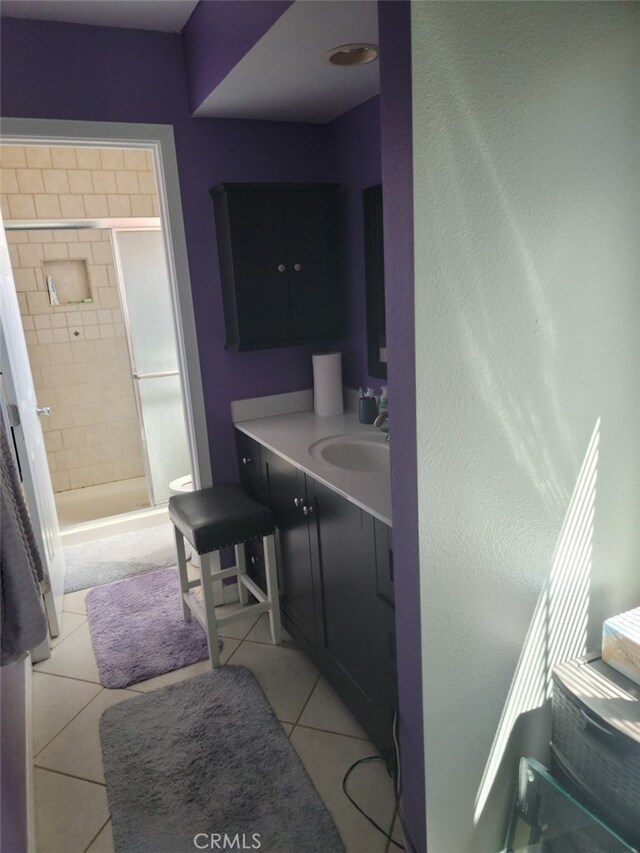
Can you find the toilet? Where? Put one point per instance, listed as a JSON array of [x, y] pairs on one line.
[[178, 487]]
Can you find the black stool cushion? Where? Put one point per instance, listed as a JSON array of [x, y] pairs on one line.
[[219, 516]]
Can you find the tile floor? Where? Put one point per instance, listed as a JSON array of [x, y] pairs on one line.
[[72, 813]]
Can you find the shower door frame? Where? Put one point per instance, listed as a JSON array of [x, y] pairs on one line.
[[159, 139], [138, 226]]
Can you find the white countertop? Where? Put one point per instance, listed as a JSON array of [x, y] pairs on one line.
[[290, 436]]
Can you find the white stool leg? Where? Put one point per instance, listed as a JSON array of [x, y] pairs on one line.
[[272, 588], [210, 563], [241, 563], [182, 571]]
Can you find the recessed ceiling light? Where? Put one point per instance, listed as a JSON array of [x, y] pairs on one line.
[[352, 54]]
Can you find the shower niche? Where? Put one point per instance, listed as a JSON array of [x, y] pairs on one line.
[[70, 279]]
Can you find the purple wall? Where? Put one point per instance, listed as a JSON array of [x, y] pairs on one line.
[[217, 36], [13, 782], [67, 71], [397, 183], [354, 151]]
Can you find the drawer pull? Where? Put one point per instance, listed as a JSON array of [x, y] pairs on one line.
[[590, 721], [246, 460]]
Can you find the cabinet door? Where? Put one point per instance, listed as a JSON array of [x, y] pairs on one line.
[[252, 479], [297, 566], [314, 262], [347, 548], [256, 273]]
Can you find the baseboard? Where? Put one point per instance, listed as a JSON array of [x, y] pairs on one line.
[[30, 794]]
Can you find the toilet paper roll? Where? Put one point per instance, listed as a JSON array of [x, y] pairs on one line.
[[327, 383]]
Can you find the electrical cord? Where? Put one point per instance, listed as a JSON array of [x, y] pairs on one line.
[[353, 802], [397, 789]]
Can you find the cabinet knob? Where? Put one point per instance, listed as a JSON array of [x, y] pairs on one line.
[[246, 460], [298, 501], [307, 510], [297, 267], [281, 268], [254, 561]]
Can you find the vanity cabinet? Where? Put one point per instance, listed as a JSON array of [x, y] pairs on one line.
[[335, 574], [280, 249], [292, 499]]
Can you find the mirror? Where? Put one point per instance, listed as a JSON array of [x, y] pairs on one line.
[[374, 271]]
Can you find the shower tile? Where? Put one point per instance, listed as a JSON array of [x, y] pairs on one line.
[[21, 207], [88, 158], [111, 158], [64, 158], [38, 157], [80, 181], [96, 205], [134, 159], [55, 181], [119, 205], [30, 181], [47, 206], [127, 182]]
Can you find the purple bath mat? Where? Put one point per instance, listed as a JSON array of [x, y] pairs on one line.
[[138, 631]]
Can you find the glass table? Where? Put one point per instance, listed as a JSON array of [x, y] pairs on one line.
[[547, 819]]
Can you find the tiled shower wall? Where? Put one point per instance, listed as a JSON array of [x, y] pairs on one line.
[[78, 353], [80, 362], [40, 182]]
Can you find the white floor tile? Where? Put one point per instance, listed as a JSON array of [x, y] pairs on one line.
[[327, 757], [56, 701], [228, 649], [75, 602], [261, 633], [286, 676], [238, 630], [70, 621], [74, 657], [69, 812], [288, 728], [76, 750], [104, 842], [325, 710]]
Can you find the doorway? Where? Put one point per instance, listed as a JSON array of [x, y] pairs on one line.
[[95, 302], [156, 144]]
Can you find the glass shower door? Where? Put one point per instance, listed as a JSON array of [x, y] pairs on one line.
[[146, 300]]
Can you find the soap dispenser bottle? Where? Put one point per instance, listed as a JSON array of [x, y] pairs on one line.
[[383, 405]]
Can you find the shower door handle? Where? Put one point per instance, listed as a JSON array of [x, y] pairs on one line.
[[160, 375]]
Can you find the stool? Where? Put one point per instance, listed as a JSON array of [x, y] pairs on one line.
[[215, 518]]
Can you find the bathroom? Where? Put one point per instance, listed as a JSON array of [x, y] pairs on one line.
[[88, 222], [495, 401]]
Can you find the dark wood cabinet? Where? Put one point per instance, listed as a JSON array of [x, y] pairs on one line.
[[280, 248], [335, 574], [292, 499]]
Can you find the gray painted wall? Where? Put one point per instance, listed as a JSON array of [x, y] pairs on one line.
[[527, 204]]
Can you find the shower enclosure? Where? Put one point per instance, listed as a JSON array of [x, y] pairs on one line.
[[103, 353], [145, 296]]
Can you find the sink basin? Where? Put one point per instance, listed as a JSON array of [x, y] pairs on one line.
[[366, 452]]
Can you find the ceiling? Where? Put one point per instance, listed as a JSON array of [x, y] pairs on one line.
[[168, 16], [284, 77]]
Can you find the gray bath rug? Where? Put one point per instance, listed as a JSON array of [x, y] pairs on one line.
[[207, 757], [118, 557], [137, 629]]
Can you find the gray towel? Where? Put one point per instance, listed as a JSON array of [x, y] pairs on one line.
[[23, 624]]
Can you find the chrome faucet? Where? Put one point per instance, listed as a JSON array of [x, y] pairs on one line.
[[382, 422]]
